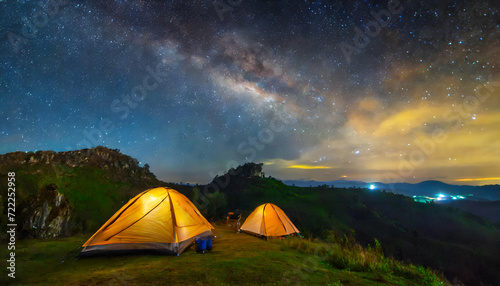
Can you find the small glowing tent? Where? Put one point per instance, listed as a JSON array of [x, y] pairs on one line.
[[268, 220], [159, 219]]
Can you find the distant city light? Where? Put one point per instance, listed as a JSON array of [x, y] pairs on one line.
[[372, 187], [439, 197]]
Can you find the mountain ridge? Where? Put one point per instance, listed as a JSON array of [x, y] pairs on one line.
[[424, 188]]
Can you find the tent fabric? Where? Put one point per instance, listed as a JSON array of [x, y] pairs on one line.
[[269, 220], [160, 219]]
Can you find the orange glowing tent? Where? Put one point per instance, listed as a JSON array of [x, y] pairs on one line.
[[159, 219], [269, 220]]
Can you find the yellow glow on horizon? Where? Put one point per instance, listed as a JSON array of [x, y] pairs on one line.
[[478, 179], [308, 167]]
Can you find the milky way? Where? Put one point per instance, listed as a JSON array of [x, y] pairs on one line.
[[366, 90]]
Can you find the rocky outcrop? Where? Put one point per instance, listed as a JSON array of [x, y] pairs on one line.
[[49, 214], [44, 211], [248, 170], [100, 157]]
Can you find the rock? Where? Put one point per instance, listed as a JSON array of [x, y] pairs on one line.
[[249, 170], [50, 214], [33, 160]]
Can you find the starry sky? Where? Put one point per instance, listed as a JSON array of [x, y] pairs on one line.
[[362, 90]]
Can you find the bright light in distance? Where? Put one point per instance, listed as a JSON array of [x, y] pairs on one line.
[[441, 195], [372, 187]]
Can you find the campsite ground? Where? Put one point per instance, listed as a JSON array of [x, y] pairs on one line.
[[237, 259]]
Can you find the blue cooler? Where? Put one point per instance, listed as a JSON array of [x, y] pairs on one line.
[[209, 243], [203, 244]]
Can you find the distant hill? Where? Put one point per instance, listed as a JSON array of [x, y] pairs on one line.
[[483, 201], [486, 209], [426, 188]]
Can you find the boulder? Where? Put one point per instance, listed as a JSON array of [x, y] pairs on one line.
[[50, 214]]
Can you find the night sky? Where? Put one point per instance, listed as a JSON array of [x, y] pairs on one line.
[[362, 90]]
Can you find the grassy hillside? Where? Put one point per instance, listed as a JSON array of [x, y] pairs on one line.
[[236, 259], [96, 182], [461, 245]]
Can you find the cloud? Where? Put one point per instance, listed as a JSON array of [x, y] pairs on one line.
[[371, 144], [308, 167], [478, 179], [408, 120]]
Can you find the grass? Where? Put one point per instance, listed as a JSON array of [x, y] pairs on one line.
[[346, 254], [236, 259]]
